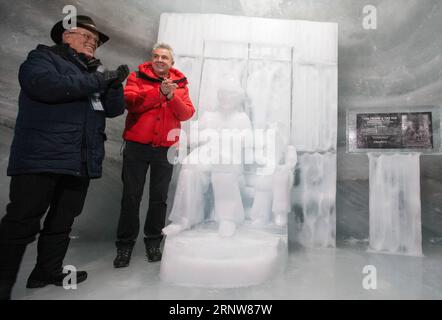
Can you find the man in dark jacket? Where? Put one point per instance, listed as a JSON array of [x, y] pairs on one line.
[[58, 147]]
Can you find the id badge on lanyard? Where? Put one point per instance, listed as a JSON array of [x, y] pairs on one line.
[[96, 102]]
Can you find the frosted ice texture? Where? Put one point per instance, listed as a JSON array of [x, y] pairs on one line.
[[314, 199], [314, 42], [315, 116], [395, 208]]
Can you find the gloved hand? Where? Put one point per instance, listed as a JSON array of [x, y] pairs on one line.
[[118, 75], [123, 72]]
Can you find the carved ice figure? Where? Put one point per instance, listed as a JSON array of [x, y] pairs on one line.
[[216, 161], [213, 164]]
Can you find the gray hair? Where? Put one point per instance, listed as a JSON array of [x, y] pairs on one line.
[[162, 45]]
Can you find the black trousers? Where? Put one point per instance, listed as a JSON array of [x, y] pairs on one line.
[[30, 197], [137, 158]]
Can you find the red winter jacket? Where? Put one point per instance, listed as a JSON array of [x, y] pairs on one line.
[[150, 115]]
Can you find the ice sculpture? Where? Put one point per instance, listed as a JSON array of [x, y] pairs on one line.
[[237, 259], [395, 208], [270, 191], [288, 70], [207, 166]]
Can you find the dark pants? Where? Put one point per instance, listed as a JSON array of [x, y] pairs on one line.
[[137, 158], [30, 197]]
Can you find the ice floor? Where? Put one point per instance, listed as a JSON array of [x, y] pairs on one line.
[[310, 274]]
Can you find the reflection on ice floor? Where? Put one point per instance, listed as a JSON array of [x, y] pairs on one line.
[[310, 274]]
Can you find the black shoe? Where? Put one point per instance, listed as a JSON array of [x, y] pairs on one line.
[[40, 280], [153, 254], [123, 257]]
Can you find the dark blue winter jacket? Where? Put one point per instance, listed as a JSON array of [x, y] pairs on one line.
[[57, 130]]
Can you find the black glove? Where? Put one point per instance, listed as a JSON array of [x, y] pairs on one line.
[[123, 72], [118, 75]]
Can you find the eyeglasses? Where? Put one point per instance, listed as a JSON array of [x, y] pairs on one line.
[[88, 37]]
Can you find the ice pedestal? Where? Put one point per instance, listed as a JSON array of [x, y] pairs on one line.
[[200, 257], [395, 207]]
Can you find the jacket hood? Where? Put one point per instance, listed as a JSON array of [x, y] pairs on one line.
[[147, 70]]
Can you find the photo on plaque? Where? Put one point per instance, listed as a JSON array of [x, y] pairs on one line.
[[417, 130], [394, 130]]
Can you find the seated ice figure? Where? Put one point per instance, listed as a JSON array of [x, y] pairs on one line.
[[216, 162], [211, 164]]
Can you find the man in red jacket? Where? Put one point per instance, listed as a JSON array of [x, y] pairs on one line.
[[157, 100]]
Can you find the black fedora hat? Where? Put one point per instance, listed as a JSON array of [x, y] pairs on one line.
[[83, 22]]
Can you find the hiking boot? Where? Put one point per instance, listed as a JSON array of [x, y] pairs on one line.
[[153, 254], [123, 257]]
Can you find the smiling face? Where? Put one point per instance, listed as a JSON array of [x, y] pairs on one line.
[[162, 61], [82, 40]]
